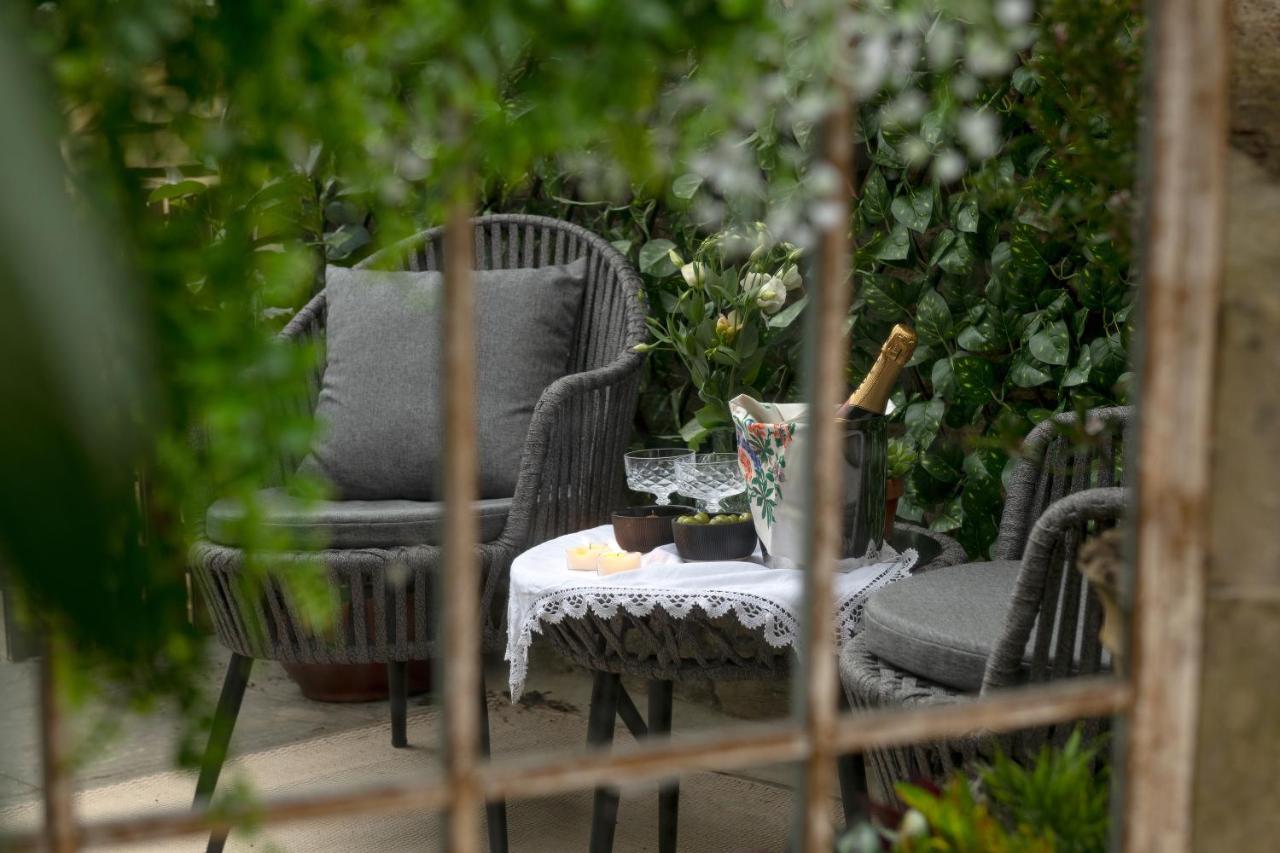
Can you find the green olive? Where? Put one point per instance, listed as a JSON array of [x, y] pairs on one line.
[[744, 516], [700, 518], [724, 519]]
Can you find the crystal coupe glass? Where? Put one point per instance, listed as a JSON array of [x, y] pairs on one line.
[[654, 471], [710, 477]]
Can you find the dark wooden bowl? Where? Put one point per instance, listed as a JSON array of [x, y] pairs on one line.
[[715, 541], [643, 528]]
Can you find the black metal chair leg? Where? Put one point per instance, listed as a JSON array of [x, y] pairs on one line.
[[600, 725], [852, 772], [660, 701], [495, 812], [398, 687], [224, 723]]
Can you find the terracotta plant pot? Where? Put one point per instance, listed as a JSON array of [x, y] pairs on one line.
[[354, 682], [893, 490], [358, 682]]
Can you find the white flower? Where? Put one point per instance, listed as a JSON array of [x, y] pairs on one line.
[[753, 281], [914, 825], [771, 296], [791, 277], [694, 273]]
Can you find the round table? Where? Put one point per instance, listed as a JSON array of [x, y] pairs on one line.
[[664, 650]]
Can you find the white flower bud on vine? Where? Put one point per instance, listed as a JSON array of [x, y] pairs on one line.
[[791, 278], [771, 296], [753, 281], [695, 273]]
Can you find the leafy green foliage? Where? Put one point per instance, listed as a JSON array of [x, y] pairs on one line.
[[1059, 804], [1017, 277], [234, 149], [728, 315]]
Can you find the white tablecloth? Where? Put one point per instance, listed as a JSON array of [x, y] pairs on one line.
[[543, 589]]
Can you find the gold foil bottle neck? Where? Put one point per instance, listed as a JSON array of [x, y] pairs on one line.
[[873, 394]]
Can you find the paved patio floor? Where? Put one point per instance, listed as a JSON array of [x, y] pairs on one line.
[[276, 717]]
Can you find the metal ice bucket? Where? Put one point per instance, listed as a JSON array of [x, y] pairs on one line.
[[866, 470]]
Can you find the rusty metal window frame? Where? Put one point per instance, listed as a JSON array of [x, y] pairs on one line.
[[1182, 236]]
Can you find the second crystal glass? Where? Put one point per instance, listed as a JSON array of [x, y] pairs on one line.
[[709, 477]]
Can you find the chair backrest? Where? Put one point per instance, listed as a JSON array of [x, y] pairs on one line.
[[610, 320], [1052, 628], [1064, 454]]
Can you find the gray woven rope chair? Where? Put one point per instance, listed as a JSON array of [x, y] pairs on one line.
[[1026, 616], [570, 476]]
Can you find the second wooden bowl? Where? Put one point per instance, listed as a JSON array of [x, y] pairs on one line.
[[701, 542]]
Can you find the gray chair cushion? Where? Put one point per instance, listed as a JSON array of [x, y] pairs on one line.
[[348, 524], [380, 409], [942, 625]]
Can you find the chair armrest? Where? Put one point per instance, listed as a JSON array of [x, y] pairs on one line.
[[1053, 542], [571, 469]]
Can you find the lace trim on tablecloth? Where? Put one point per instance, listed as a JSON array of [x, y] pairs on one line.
[[779, 625]]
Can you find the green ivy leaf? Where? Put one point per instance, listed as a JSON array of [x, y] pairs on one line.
[[959, 260], [888, 297], [686, 186], [1079, 374], [179, 189], [933, 317], [623, 246], [345, 241], [875, 197], [943, 464], [923, 420], [712, 417], [941, 244], [967, 217], [896, 246], [975, 378], [913, 210], [951, 517], [654, 258], [1025, 260], [694, 433], [1051, 345], [941, 377], [1025, 374], [982, 335], [788, 315]]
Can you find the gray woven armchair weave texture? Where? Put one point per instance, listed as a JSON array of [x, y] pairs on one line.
[[570, 473], [1063, 490]]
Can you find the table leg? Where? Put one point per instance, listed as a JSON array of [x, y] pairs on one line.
[[600, 725], [669, 790]]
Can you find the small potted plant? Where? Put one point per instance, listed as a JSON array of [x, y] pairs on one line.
[[901, 460]]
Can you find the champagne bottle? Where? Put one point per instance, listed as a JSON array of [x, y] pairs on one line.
[[872, 395]]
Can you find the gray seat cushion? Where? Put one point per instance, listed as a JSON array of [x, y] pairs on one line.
[[349, 524], [944, 624], [380, 409]]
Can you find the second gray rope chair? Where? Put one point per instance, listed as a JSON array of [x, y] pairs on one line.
[[569, 478], [1026, 616]]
